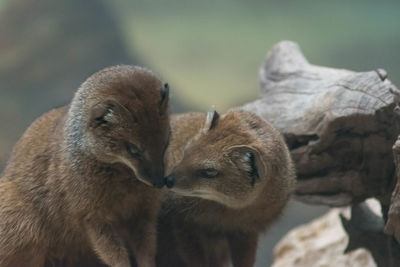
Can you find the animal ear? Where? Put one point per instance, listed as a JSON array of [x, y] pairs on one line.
[[249, 160], [211, 119], [104, 113], [164, 93]]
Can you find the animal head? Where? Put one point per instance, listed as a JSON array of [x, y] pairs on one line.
[[230, 161], [121, 115]]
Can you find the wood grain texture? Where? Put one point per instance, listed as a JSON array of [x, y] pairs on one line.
[[339, 125], [393, 218]]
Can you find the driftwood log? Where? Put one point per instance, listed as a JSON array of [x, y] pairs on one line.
[[340, 126], [393, 222]]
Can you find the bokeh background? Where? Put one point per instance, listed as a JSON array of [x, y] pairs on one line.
[[208, 51]]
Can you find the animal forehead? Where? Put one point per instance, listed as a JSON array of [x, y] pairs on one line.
[[140, 89], [152, 131], [139, 97], [225, 136], [213, 150], [197, 161], [124, 74]]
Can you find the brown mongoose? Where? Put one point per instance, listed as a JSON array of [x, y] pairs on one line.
[[81, 177], [233, 175]]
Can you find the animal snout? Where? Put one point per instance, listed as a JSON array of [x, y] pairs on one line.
[[169, 180], [159, 183], [158, 177]]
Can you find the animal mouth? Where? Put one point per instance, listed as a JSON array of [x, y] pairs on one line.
[[184, 192], [143, 180], [137, 176], [199, 194], [213, 196], [159, 183]]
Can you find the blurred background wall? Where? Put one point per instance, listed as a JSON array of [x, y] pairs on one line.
[[208, 51]]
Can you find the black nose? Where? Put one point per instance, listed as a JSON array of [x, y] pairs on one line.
[[170, 180]]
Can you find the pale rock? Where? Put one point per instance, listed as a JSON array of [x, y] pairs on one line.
[[322, 243]]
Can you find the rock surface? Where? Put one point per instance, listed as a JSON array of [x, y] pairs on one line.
[[322, 243]]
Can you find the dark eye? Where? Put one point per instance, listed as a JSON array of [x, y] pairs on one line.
[[133, 150], [208, 173]]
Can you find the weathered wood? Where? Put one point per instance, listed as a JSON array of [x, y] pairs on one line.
[[393, 222], [339, 125]]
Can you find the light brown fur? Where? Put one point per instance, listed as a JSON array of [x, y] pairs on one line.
[[215, 221], [71, 187]]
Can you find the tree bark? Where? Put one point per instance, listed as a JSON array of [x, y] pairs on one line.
[[393, 222], [338, 124]]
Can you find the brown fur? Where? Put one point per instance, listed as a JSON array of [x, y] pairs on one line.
[[198, 228], [71, 187]]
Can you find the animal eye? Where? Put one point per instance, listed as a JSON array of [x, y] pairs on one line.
[[133, 150], [208, 173]]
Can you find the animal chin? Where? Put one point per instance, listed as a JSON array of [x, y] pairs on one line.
[[204, 194], [213, 196], [185, 193], [221, 199], [182, 192]]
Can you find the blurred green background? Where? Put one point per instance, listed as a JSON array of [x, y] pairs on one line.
[[211, 50], [208, 51]]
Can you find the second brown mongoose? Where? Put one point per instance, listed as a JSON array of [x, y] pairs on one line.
[[233, 175]]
